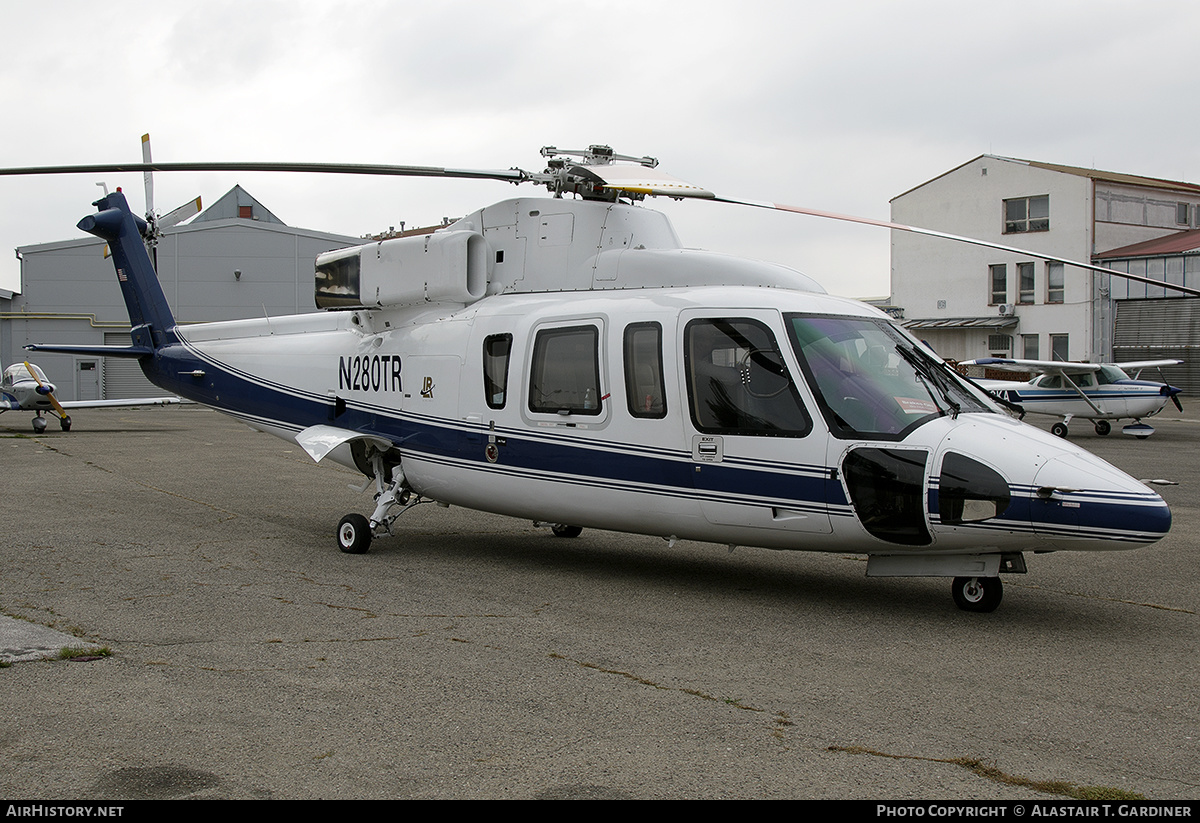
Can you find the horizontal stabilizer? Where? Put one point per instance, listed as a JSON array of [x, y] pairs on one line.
[[133, 352]]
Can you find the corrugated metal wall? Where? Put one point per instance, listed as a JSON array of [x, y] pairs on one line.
[[1161, 329]]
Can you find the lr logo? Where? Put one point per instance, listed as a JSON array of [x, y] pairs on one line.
[[427, 388]]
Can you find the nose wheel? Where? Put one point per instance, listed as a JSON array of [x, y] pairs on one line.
[[977, 594]]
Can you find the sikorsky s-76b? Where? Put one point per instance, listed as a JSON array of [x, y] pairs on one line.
[[566, 360]]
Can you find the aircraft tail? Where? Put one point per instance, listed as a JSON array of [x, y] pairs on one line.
[[149, 315]]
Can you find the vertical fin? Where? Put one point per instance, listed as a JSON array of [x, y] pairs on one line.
[[149, 314]]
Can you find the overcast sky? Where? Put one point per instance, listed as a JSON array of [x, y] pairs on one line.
[[832, 105]]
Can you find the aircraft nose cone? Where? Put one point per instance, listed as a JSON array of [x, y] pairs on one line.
[[1080, 502], [45, 389]]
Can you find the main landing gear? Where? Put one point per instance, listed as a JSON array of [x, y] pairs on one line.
[[977, 594], [39, 423], [354, 532]]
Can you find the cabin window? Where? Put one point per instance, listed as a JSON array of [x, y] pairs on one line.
[[496, 350], [644, 389], [737, 381], [887, 489], [566, 371]]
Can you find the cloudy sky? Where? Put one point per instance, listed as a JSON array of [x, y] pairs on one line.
[[833, 105]]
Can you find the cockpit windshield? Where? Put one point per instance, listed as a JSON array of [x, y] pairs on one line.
[[871, 380]]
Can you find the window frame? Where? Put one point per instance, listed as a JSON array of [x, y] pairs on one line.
[[489, 380], [1056, 293], [1026, 284], [1025, 222], [538, 371], [635, 400], [792, 388], [995, 269]]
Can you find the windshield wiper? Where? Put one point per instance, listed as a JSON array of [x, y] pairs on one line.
[[930, 376]]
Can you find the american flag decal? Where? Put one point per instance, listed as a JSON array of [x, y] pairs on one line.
[[121, 275]]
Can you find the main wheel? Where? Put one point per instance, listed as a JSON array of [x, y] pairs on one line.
[[65, 422], [1102, 427], [977, 594], [563, 530], [1059, 429], [354, 534]]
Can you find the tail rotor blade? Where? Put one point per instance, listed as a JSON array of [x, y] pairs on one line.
[[148, 176]]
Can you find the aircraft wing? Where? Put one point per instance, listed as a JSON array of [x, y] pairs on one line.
[[1147, 364], [136, 401], [8, 404], [1039, 366]]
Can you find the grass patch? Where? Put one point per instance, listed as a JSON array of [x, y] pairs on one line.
[[72, 652]]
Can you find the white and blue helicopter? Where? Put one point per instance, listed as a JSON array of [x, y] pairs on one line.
[[1099, 392], [24, 387], [565, 360]]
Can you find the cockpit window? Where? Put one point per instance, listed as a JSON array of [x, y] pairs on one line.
[[737, 381], [871, 380]]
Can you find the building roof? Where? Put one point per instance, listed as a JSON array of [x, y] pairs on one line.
[[1182, 242], [237, 203], [1094, 174]]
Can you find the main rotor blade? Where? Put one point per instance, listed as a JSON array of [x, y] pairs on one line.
[[507, 175], [961, 239]]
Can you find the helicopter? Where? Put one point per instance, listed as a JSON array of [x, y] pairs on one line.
[[565, 360]]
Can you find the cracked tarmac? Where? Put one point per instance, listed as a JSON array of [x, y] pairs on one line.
[[477, 656]]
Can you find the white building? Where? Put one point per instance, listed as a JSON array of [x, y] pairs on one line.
[[970, 301]]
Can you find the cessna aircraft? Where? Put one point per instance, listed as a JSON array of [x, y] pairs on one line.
[[1094, 391], [25, 387], [567, 361]]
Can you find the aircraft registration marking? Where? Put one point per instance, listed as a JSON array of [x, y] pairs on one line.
[[374, 372]]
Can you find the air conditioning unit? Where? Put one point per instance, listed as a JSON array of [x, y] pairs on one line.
[[1007, 309]]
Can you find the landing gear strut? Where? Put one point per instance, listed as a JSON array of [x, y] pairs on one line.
[[354, 532]]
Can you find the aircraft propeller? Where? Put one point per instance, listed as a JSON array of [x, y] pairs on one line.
[[48, 391], [600, 174]]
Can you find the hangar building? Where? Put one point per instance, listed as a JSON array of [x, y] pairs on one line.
[[233, 260]]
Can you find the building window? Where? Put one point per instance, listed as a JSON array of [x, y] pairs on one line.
[[1059, 348], [1001, 344], [1027, 214], [1029, 347], [1182, 214], [998, 277], [1025, 283], [1055, 288]]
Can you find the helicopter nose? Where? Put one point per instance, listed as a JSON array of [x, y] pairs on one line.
[[1080, 502]]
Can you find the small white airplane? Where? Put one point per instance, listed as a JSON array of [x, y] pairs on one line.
[[24, 387], [1099, 392], [565, 360]]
